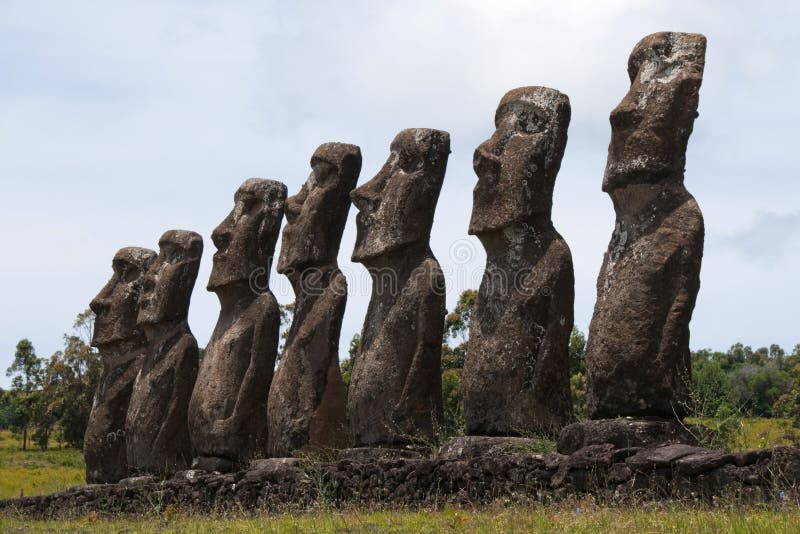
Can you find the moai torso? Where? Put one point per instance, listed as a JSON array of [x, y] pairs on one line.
[[122, 349], [157, 436], [306, 402], [516, 375], [395, 389], [228, 409], [637, 357]]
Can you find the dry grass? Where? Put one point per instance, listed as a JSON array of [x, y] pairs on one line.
[[36, 472], [539, 519]]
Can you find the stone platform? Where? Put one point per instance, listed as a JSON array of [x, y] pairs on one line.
[[627, 432], [466, 472]]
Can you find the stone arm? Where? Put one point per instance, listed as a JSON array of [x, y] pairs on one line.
[[685, 262], [426, 362], [551, 379], [174, 426], [265, 330]]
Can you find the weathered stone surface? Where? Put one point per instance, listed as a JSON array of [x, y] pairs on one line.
[[278, 484], [647, 460], [217, 464], [637, 355], [122, 348], [627, 432], [373, 454], [474, 446], [228, 408], [702, 462], [306, 400], [516, 376], [395, 389], [156, 432]]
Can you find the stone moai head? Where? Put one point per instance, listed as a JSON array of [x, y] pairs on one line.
[[317, 214], [246, 238], [169, 282], [517, 166], [396, 207], [651, 126], [117, 304]]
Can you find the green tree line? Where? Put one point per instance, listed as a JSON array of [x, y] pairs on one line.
[[52, 397]]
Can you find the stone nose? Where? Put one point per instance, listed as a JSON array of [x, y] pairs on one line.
[[625, 116], [365, 198], [99, 305], [292, 208], [484, 162], [221, 236]]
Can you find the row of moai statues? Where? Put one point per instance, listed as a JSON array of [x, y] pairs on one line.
[[158, 409]]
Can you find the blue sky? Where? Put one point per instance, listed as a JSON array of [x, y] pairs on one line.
[[119, 120]]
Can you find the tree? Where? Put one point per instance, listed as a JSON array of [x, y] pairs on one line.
[[577, 352], [756, 388], [709, 384], [739, 354], [72, 376], [6, 409], [456, 326], [346, 365], [456, 323], [577, 388], [26, 372], [452, 402], [287, 313], [69, 379]]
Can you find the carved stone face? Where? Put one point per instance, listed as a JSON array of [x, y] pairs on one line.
[[245, 240], [396, 207], [317, 214], [651, 126], [517, 166], [116, 306], [169, 282]]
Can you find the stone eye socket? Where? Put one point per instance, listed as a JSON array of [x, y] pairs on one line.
[[530, 122], [172, 254], [409, 162], [127, 273]]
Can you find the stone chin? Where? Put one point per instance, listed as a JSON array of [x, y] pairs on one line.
[[225, 275], [295, 255], [106, 335], [641, 170], [372, 247]]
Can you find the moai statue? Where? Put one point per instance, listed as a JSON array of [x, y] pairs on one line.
[[516, 376], [156, 433], [306, 402], [228, 409], [122, 348], [395, 388], [637, 356]]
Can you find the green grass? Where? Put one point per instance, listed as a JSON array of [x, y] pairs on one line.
[[757, 433], [538, 519], [36, 472]]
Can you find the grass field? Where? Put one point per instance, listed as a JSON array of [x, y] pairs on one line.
[[561, 519], [34, 472]]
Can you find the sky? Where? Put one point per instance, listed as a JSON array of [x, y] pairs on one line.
[[120, 120]]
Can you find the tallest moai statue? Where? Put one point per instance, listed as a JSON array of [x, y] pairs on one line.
[[638, 351]]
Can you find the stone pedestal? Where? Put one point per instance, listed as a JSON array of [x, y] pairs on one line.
[[626, 432]]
